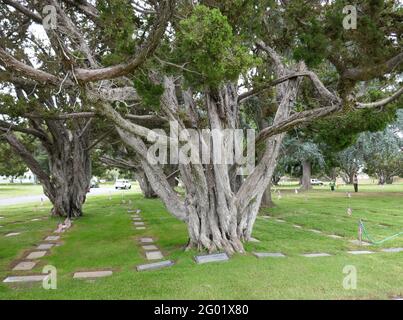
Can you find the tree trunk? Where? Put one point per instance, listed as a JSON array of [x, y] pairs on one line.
[[68, 181], [389, 179], [351, 177], [70, 171], [267, 200], [381, 180], [306, 175], [145, 185], [217, 216]]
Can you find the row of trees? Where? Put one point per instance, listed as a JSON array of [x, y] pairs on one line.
[[106, 72], [379, 154]]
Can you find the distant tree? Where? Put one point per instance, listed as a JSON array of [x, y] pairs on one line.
[[349, 162], [10, 164], [300, 158], [383, 154]]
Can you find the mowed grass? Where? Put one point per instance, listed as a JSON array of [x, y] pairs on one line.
[[106, 239], [13, 190]]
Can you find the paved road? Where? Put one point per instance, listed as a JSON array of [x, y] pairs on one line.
[[38, 198]]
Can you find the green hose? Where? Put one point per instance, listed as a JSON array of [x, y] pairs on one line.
[[371, 240]]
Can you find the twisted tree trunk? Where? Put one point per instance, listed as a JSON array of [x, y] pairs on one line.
[[67, 182], [218, 216], [144, 184], [70, 175]]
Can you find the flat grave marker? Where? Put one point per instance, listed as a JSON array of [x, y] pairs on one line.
[[36, 255], [140, 228], [44, 246], [315, 231], [52, 238], [13, 234], [32, 278], [315, 255], [139, 223], [268, 254], [24, 266], [217, 257], [150, 247], [155, 265], [392, 250], [146, 240], [154, 255], [356, 252], [334, 236], [92, 274]]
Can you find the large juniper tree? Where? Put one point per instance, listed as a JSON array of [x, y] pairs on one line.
[[193, 78]]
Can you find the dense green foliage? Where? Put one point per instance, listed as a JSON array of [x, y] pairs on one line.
[[206, 41]]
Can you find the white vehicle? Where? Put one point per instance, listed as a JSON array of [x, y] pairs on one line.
[[316, 182], [123, 184]]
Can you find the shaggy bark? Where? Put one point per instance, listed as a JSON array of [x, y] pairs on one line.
[[67, 182], [145, 185], [70, 168], [218, 216]]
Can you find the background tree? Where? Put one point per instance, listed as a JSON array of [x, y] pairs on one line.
[[10, 164], [383, 154]]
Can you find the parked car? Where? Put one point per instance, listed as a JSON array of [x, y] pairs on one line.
[[316, 182], [123, 184]]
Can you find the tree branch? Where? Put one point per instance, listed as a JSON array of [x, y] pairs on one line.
[[13, 127], [29, 160], [362, 74], [320, 87], [9, 62], [24, 10], [380, 103], [88, 75]]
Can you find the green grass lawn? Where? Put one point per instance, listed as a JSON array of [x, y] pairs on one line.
[[19, 190], [105, 238]]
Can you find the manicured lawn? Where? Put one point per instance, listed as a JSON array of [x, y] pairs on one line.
[[105, 238], [19, 190]]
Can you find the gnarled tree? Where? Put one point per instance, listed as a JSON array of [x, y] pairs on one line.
[[193, 78]]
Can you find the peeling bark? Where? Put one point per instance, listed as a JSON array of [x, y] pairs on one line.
[[68, 180], [70, 168]]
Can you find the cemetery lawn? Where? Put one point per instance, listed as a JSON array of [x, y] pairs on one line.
[[104, 238]]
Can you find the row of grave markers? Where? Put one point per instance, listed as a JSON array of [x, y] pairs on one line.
[[152, 253], [323, 254], [147, 243]]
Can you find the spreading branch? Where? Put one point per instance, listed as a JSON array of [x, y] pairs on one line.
[[363, 74]]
